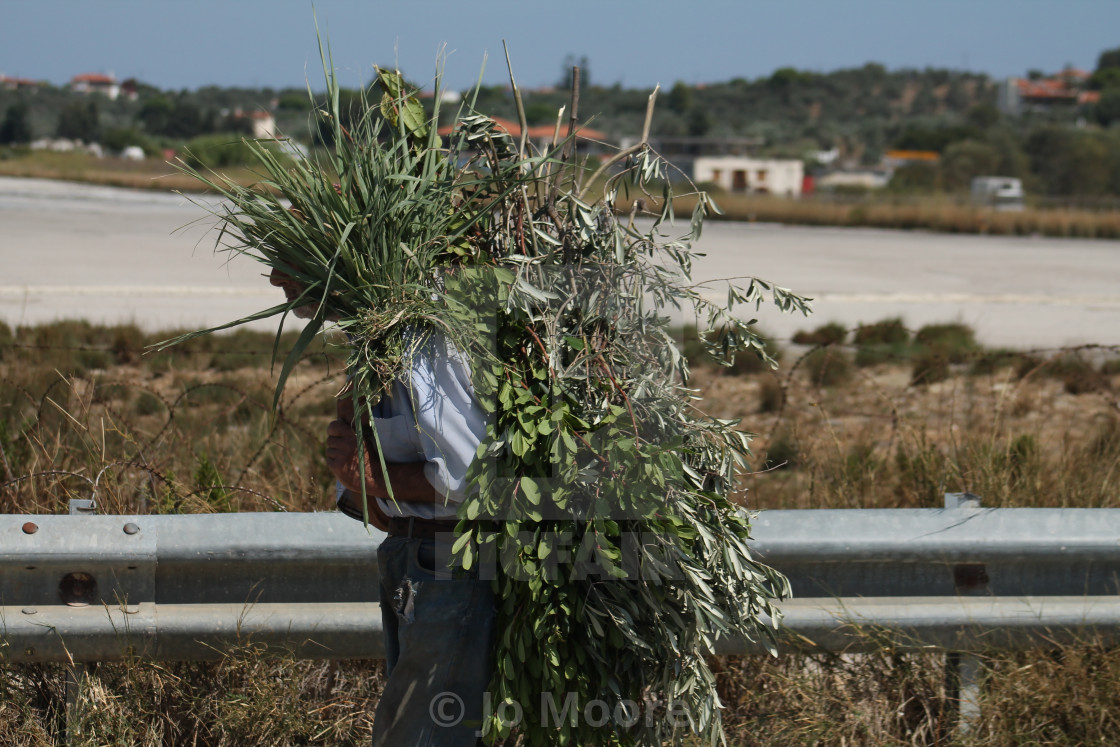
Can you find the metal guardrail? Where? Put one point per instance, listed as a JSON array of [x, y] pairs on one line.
[[100, 588], [187, 587]]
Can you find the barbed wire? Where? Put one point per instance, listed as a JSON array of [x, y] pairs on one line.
[[146, 352], [154, 438], [99, 401]]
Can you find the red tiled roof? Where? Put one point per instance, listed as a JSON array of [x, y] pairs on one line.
[[94, 78], [914, 155], [541, 131], [1046, 88], [7, 79]]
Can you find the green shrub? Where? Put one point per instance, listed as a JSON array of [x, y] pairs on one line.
[[6, 339], [748, 362], [954, 341], [886, 341], [210, 486], [873, 355], [1025, 365], [127, 343], [148, 404], [1023, 456], [1110, 367], [745, 362], [827, 334], [989, 362], [293, 102], [857, 471], [218, 151], [885, 332], [771, 395], [1076, 374], [922, 472], [928, 367], [783, 452], [828, 367], [117, 139], [72, 347]]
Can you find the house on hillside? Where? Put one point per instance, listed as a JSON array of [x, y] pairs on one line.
[[775, 176], [852, 179], [263, 123], [106, 85], [587, 139], [8, 83], [892, 159], [683, 151], [1066, 89]]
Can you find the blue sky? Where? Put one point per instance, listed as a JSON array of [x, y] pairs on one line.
[[191, 43]]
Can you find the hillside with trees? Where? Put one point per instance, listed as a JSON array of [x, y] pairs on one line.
[[1068, 151]]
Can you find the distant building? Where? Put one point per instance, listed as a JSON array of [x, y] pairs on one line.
[[853, 179], [777, 176], [264, 124], [825, 157], [130, 89], [9, 83], [446, 96], [999, 192], [541, 136], [96, 83], [892, 159], [1066, 89]]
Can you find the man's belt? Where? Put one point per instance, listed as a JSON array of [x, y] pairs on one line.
[[418, 528]]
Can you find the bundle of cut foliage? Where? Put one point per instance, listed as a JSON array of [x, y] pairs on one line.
[[602, 493]]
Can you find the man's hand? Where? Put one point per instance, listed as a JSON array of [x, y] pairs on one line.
[[407, 479], [342, 449], [342, 459]]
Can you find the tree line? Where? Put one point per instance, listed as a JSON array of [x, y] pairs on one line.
[[863, 112]]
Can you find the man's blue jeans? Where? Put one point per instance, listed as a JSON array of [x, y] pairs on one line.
[[439, 626]]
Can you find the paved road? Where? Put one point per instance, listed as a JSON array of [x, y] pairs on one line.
[[1018, 292], [109, 255], [113, 255]]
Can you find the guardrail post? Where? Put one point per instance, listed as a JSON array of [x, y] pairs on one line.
[[76, 674], [962, 670]]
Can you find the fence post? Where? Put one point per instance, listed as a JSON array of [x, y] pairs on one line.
[[76, 674], [962, 670]]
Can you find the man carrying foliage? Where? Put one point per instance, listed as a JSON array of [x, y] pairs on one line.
[[511, 368], [438, 622]]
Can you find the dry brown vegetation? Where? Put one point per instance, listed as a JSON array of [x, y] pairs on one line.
[[152, 173], [927, 213], [83, 412]]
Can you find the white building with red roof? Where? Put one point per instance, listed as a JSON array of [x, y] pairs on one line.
[[9, 83], [106, 85]]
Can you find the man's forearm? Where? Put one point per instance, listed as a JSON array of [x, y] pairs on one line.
[[407, 481]]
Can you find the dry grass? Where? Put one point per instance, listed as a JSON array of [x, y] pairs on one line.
[[931, 214], [80, 403], [242, 700], [153, 173], [878, 441]]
